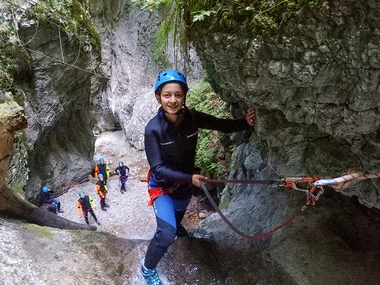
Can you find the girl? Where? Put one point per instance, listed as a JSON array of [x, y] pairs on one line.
[[170, 146]]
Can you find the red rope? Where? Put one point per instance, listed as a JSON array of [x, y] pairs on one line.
[[232, 227]]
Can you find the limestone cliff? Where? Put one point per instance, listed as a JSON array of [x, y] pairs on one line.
[[128, 61], [314, 84], [12, 119], [54, 86]]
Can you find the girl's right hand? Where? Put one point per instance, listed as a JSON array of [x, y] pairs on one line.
[[195, 179]]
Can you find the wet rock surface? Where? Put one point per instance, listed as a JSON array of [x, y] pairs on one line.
[[315, 92], [313, 84], [334, 242]]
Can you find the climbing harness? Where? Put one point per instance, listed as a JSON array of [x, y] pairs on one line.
[[312, 186], [158, 191]]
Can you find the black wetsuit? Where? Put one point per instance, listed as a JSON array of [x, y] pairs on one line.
[[170, 149], [86, 208]]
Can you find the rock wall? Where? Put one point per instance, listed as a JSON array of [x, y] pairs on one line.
[[53, 83], [314, 86], [127, 34], [18, 168], [57, 105], [12, 119]]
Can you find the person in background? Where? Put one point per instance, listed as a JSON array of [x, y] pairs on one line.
[[123, 172], [102, 190], [86, 205], [170, 146], [102, 168], [53, 205]]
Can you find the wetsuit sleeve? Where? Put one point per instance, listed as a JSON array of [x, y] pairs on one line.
[[206, 121], [97, 171], [116, 170], [153, 153]]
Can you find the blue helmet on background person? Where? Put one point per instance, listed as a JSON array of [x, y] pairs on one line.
[[45, 189], [80, 192], [101, 159], [120, 162], [100, 175], [170, 76]]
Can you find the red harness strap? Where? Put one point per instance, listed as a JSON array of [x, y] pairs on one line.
[[156, 192]]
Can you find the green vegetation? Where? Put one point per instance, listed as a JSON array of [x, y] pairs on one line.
[[9, 64], [257, 19], [11, 54], [19, 189], [214, 148], [172, 24], [89, 237], [40, 230], [71, 16]]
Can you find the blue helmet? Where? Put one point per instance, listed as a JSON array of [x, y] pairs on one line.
[[100, 175], [121, 162], [45, 189], [80, 192], [101, 159], [170, 76]]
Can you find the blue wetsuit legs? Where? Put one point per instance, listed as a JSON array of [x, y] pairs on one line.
[[167, 218]]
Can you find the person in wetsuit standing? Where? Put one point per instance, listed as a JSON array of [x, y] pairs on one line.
[[170, 146]]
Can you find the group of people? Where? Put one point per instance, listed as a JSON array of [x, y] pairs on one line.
[[170, 146], [85, 203]]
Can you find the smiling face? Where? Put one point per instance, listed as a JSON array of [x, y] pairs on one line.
[[171, 99]]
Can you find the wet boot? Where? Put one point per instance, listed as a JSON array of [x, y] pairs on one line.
[[150, 275]]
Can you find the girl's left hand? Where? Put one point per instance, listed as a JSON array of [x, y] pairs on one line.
[[250, 116]]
